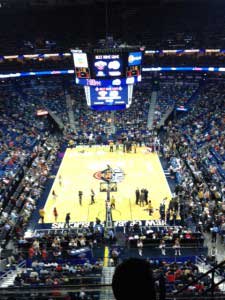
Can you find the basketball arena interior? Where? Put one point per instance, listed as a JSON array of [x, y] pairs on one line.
[[112, 149]]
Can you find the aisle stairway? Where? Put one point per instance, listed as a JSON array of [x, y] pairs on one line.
[[203, 267], [111, 128], [151, 110], [166, 115], [8, 278], [69, 105], [107, 274]]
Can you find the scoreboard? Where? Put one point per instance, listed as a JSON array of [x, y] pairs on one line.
[[107, 77], [107, 66], [81, 65], [110, 97]]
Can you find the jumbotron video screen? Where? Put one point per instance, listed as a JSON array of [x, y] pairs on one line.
[[108, 78]]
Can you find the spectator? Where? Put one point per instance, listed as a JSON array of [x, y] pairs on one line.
[[127, 285]]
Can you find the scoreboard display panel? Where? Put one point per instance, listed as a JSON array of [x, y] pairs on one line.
[[133, 71], [109, 98], [81, 65], [110, 95], [134, 58], [134, 64], [107, 82], [82, 73], [107, 65], [80, 60]]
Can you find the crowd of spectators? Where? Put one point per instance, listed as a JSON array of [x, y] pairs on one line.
[[194, 141], [48, 94], [27, 155], [173, 93], [17, 209], [133, 121], [171, 276], [94, 127], [14, 149], [67, 242], [91, 126], [45, 268], [60, 274], [198, 139], [61, 258], [177, 275]]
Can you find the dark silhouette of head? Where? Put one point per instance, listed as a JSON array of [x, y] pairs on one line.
[[133, 280]]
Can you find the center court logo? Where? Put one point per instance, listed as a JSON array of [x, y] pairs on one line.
[[110, 175]]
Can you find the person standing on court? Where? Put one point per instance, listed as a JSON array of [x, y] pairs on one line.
[[54, 195], [67, 220], [150, 207], [137, 194], [124, 146], [111, 146], [142, 198], [80, 194], [135, 147], [145, 196], [117, 145], [92, 196], [55, 213]]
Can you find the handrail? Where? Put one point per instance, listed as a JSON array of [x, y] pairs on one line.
[[59, 287], [21, 264], [202, 276], [214, 286], [196, 297]]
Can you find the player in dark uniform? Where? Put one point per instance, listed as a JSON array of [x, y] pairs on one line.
[[80, 194], [111, 146], [92, 196], [146, 196], [67, 220], [137, 193]]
